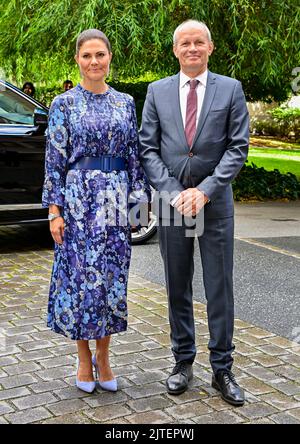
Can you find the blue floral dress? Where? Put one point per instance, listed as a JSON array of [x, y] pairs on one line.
[[88, 286]]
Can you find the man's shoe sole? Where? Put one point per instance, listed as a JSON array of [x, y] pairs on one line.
[[215, 385]]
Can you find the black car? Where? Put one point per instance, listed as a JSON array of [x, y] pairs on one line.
[[23, 121]]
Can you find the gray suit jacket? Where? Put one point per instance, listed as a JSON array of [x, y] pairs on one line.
[[219, 148]]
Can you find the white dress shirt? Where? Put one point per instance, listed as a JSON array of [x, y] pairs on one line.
[[184, 89]]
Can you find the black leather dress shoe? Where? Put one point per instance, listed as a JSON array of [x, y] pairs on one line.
[[178, 380], [231, 392]]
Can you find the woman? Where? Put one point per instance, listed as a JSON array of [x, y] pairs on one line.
[[29, 89], [91, 167]]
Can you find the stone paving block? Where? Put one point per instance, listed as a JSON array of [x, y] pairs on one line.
[[141, 378], [101, 398], [156, 321], [109, 412], [9, 350], [70, 392], [181, 411], [150, 403], [57, 361], [137, 392], [257, 410], [127, 348], [248, 339], [245, 350], [17, 331], [295, 412], [281, 342], [17, 381], [289, 372], [154, 417], [124, 370], [3, 420], [3, 374], [31, 401], [256, 387], [284, 418], [150, 345], [162, 339], [5, 408], [130, 338], [264, 374], [291, 359], [33, 345], [238, 324], [28, 416], [70, 418], [25, 367], [64, 407], [280, 401], [131, 358], [17, 340], [158, 354], [60, 350], [193, 394], [50, 386], [28, 321], [157, 364], [260, 421], [13, 393], [288, 388], [8, 360], [272, 350], [266, 360], [57, 373], [219, 418], [146, 329], [35, 355]]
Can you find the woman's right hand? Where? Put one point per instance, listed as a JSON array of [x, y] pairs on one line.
[[57, 228]]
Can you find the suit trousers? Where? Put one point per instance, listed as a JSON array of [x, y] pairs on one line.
[[216, 249]]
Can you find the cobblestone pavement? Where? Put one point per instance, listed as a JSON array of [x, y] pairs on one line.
[[37, 366]]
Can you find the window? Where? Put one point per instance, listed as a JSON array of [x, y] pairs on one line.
[[15, 109]]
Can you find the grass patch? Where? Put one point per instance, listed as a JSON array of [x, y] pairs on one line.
[[272, 163]]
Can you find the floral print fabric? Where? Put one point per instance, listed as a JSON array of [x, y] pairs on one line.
[[87, 298]]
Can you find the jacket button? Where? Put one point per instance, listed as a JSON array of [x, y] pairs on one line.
[[191, 154]]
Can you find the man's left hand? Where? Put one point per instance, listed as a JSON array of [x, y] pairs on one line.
[[190, 202]]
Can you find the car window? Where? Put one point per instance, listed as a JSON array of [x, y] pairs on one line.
[[15, 109]]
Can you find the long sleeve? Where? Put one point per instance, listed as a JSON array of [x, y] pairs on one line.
[[139, 187], [56, 154], [236, 150]]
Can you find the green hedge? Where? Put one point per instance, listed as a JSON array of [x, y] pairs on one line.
[[257, 183], [283, 123]]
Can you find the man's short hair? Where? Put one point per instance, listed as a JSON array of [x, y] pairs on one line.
[[189, 24]]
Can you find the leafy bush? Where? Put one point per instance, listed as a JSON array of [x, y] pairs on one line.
[[257, 183], [282, 122]]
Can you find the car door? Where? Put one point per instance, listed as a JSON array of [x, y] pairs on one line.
[[22, 153]]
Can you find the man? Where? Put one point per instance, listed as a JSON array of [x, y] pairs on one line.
[[194, 140]]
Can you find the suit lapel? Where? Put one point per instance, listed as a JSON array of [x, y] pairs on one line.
[[207, 101], [175, 106]]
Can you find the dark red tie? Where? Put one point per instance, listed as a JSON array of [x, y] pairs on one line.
[[191, 112]]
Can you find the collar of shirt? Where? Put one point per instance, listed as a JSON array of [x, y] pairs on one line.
[[183, 78]]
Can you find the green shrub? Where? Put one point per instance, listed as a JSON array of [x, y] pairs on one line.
[[288, 120], [257, 183]]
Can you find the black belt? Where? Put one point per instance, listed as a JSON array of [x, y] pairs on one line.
[[103, 163]]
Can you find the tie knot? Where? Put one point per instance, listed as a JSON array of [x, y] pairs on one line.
[[193, 83]]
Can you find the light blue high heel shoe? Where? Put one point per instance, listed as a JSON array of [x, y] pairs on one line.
[[86, 386], [110, 386]]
